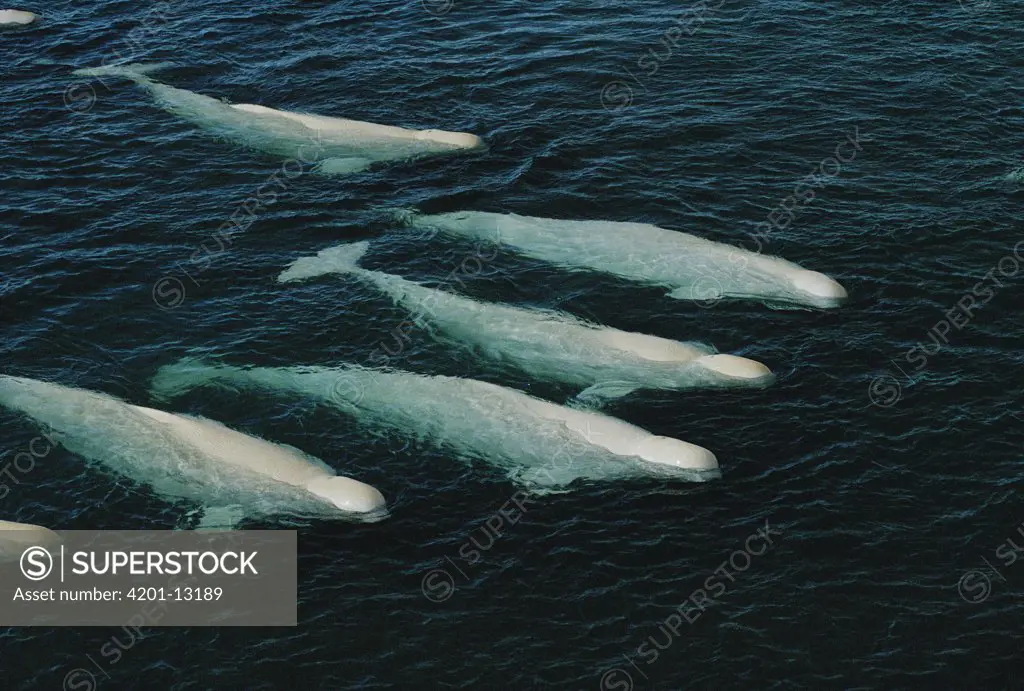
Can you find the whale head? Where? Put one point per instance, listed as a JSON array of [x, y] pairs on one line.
[[821, 290], [456, 140], [347, 494], [675, 453], [739, 369]]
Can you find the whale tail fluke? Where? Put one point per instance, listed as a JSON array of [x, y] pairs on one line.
[[178, 379], [596, 396], [403, 216], [132, 71], [406, 218], [333, 260]]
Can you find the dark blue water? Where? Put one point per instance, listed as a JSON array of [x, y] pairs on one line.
[[886, 460]]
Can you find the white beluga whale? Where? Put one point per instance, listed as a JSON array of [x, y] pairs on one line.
[[545, 344], [691, 267], [337, 146], [539, 444], [15, 538], [233, 475], [12, 18]]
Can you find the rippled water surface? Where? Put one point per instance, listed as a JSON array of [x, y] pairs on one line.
[[885, 460]]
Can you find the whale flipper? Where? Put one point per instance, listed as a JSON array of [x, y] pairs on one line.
[[600, 393], [343, 166], [340, 259], [688, 293], [221, 517]]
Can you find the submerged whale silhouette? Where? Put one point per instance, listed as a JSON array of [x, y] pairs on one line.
[[546, 344], [692, 267], [343, 146], [537, 443], [233, 475]]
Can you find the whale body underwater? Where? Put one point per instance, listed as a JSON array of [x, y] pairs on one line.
[[546, 344], [337, 146], [233, 475], [692, 268], [539, 445]]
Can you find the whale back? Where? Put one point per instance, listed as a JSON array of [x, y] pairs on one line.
[[328, 125], [625, 439], [257, 130], [225, 445], [333, 127], [650, 347]]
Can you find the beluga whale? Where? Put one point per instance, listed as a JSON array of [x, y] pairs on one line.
[[234, 476], [692, 268], [546, 344], [337, 146], [15, 18], [540, 445]]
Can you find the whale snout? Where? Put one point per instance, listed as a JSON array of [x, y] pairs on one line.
[[459, 140], [736, 367], [348, 495], [822, 289], [679, 454]]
